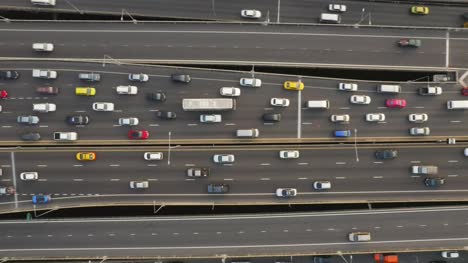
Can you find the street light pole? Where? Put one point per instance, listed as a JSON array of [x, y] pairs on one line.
[[169, 151], [355, 145], [341, 255]]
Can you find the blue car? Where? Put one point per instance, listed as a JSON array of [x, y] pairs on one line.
[[40, 199], [342, 133]]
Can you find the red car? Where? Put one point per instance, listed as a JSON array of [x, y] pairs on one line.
[[3, 94], [464, 91], [138, 135], [395, 103]]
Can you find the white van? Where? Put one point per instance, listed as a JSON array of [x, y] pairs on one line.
[[384, 88], [43, 2], [317, 104], [330, 18], [457, 104], [247, 133]]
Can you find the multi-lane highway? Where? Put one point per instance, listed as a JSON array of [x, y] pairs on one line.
[[276, 11], [297, 124], [239, 44], [354, 172], [235, 235]]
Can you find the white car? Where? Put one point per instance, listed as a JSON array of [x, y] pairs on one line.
[[322, 185], [289, 154], [360, 99], [251, 13], [337, 8], [129, 121], [347, 86], [126, 90], [375, 117], [465, 152], [140, 77], [103, 106], [43, 47], [139, 184], [250, 82], [420, 131], [29, 176], [450, 254], [44, 107], [43, 2], [210, 118], [418, 117], [286, 192], [151, 156], [339, 118], [279, 102], [223, 158], [230, 92]]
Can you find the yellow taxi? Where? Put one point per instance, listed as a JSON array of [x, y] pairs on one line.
[[86, 156], [85, 91], [294, 85], [420, 10]]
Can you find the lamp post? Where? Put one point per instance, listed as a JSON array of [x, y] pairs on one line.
[[355, 145]]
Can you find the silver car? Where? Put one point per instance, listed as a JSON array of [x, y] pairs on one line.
[[339, 118], [140, 77], [360, 99], [420, 131], [139, 184], [129, 121], [223, 158], [250, 82], [31, 120], [230, 92], [251, 13], [418, 117], [103, 106], [375, 117], [347, 86], [210, 118]]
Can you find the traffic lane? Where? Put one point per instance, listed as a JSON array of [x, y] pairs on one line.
[[458, 57]]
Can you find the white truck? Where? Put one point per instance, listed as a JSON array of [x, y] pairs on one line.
[[65, 136], [44, 73], [432, 91], [44, 107], [424, 169]]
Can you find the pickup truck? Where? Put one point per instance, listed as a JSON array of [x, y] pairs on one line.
[[44, 74], [65, 136], [7, 190], [44, 107], [430, 91], [424, 169]]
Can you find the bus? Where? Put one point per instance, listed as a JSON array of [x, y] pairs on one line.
[[214, 104]]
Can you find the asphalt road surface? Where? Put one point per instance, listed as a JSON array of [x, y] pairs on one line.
[[236, 235]]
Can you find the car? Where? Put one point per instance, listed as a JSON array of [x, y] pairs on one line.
[[464, 91], [322, 259], [286, 192], [437, 261], [289, 154], [450, 254], [342, 133], [153, 156], [48, 90], [279, 102], [386, 154], [167, 115], [465, 152], [419, 10], [210, 118], [140, 77], [126, 90], [41, 199], [343, 118], [251, 13], [359, 236], [85, 156], [272, 117], [89, 76], [434, 182], [424, 169], [360, 99], [347, 86], [217, 188], [230, 92], [223, 158], [198, 172], [103, 106], [43, 2], [139, 184], [29, 176], [250, 82], [420, 131], [293, 85], [395, 103], [431, 91], [184, 78], [128, 121], [375, 117], [418, 117], [9, 74], [322, 185], [337, 8], [30, 136], [85, 91], [3, 94], [156, 96], [44, 107], [409, 42], [31, 120], [43, 47], [138, 134], [77, 119]]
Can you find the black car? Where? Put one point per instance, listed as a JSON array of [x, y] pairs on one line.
[[31, 136], [9, 74], [434, 182], [78, 119], [184, 78], [168, 115], [386, 154], [156, 96], [272, 117], [322, 259]]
